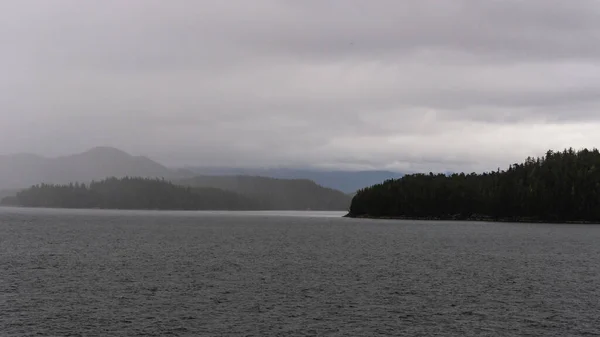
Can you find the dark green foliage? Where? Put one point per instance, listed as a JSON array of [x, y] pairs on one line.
[[128, 193], [560, 186]]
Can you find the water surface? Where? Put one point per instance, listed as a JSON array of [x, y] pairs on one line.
[[128, 273]]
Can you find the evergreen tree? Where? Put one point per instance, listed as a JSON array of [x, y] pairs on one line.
[[129, 193], [560, 186]]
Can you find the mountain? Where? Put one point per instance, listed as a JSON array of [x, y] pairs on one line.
[[24, 170], [345, 181], [276, 194]]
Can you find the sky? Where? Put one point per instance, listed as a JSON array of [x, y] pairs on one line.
[[428, 85]]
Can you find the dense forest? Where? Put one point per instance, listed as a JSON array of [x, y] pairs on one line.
[[558, 187], [129, 193]]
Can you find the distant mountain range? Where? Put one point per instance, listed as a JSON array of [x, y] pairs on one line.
[[345, 181], [24, 170]]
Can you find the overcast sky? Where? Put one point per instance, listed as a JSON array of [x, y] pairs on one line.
[[387, 84]]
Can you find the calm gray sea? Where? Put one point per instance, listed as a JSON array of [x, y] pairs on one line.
[[111, 273]]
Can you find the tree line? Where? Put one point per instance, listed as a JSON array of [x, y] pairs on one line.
[[129, 193], [560, 186]]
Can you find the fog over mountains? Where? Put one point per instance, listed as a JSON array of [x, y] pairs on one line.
[[345, 181], [23, 170], [258, 192]]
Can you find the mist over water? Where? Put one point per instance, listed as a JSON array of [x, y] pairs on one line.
[[115, 273], [170, 213]]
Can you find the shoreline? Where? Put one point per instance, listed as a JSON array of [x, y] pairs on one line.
[[472, 219], [171, 209]]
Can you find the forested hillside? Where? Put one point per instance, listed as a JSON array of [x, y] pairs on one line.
[[277, 194], [129, 193], [560, 186]]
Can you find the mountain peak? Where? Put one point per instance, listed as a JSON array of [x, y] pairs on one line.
[[107, 150], [95, 164]]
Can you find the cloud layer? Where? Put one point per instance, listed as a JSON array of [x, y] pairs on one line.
[[404, 85]]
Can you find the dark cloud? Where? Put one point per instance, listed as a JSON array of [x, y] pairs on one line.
[[419, 85]]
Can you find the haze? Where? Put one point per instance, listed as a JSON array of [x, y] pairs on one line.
[[400, 85]]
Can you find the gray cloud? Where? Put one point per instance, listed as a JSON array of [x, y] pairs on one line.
[[406, 85]]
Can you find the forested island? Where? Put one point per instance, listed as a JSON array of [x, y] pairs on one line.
[[200, 193], [129, 193], [558, 187]]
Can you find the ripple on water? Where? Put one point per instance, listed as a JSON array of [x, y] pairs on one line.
[[155, 274]]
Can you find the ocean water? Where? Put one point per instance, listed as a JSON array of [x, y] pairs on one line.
[[116, 273]]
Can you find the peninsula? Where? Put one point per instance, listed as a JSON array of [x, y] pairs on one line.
[[557, 187]]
